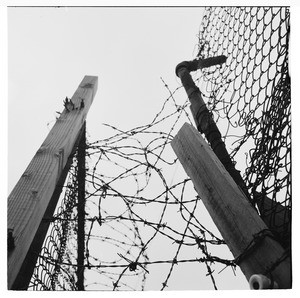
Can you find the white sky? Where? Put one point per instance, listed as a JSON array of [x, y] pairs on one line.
[[129, 49]]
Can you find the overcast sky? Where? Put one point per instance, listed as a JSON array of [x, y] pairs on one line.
[[129, 49], [50, 50]]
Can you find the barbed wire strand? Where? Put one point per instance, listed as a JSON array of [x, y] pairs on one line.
[[135, 202]]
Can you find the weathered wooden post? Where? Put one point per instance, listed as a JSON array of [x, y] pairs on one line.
[[81, 211], [245, 233], [35, 195]]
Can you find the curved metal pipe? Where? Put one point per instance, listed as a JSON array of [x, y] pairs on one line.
[[200, 63], [202, 116]]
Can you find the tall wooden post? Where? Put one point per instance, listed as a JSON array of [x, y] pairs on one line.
[[81, 211], [246, 235], [29, 201]]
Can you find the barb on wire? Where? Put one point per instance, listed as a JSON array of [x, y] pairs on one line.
[[140, 206]]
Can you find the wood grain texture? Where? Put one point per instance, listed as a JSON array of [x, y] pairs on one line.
[[30, 197], [230, 210]]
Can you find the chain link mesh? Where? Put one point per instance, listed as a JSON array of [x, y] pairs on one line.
[[54, 270], [249, 98]]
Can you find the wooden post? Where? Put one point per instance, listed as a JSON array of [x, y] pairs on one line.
[[30, 198], [25, 273], [81, 211], [245, 233]]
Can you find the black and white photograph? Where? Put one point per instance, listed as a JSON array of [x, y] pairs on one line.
[[149, 147]]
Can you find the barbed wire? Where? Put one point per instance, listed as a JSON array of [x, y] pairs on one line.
[[141, 209], [124, 222]]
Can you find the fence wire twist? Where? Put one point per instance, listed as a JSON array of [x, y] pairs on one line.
[[140, 211]]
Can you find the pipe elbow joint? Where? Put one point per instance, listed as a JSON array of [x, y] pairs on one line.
[[181, 65], [188, 65], [200, 63]]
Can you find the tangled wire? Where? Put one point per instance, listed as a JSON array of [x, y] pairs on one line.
[[142, 212], [131, 209]]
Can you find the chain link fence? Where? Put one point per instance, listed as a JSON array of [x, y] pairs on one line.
[[135, 199], [250, 98]]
